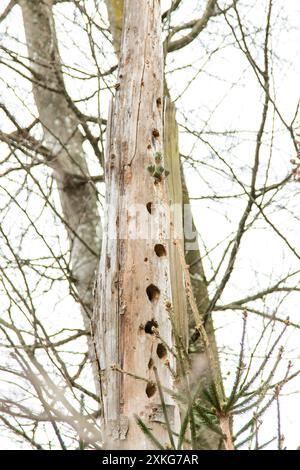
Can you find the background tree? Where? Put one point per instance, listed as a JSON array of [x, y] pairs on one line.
[[60, 123]]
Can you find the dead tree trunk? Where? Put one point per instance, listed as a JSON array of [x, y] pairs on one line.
[[62, 137], [178, 194], [133, 328]]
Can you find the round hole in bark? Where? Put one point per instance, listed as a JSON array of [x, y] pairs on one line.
[[150, 363], [149, 207], [160, 250], [155, 133], [161, 351], [149, 325], [145, 259], [150, 389], [153, 293], [158, 102]]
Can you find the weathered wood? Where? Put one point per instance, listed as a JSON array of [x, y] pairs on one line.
[[115, 15], [134, 281]]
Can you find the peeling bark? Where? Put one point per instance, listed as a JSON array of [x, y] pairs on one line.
[[134, 291], [175, 197]]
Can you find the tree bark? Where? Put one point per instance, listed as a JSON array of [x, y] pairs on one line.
[[133, 327], [63, 138], [115, 16]]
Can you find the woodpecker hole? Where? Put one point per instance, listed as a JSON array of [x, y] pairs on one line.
[[155, 133], [161, 351], [158, 102], [149, 325], [145, 259], [160, 250], [149, 207], [150, 389], [153, 293]]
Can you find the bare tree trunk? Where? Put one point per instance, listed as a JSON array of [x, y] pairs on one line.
[[62, 137], [178, 194], [132, 320]]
